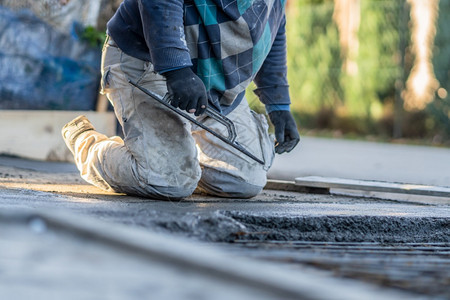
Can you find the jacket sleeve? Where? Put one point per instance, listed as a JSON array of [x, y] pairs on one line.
[[163, 30], [271, 79]]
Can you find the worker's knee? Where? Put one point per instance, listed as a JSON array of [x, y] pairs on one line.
[[163, 186], [171, 181], [223, 184], [170, 192], [243, 190], [159, 192], [173, 185]]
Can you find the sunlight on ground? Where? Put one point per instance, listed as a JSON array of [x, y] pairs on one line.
[[57, 188]]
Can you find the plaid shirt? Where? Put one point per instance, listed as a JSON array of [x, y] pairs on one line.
[[228, 43]]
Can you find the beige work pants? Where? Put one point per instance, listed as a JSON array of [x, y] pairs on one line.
[[162, 156]]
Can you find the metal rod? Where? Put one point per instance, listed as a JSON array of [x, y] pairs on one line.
[[211, 113]]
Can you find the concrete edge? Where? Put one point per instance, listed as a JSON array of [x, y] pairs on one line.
[[259, 275], [292, 186], [373, 186]]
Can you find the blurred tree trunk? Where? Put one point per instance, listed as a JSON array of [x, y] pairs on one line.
[[422, 84], [347, 15]]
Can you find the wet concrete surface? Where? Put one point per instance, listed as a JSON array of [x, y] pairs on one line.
[[269, 216], [48, 256], [44, 264], [272, 218], [422, 268]]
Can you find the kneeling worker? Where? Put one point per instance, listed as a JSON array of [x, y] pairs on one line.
[[202, 53]]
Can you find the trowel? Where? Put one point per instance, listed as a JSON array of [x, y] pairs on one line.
[[210, 112]]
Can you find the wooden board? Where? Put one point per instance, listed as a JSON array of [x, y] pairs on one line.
[[290, 186], [375, 186], [36, 134]]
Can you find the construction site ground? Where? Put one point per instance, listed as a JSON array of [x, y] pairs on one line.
[[62, 238]]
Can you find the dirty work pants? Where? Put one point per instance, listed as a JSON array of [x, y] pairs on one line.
[[162, 155]]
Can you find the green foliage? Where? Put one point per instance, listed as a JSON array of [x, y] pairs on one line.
[[378, 60], [94, 37], [325, 96], [314, 64]]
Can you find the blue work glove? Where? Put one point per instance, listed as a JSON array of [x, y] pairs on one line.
[[286, 132], [186, 91]]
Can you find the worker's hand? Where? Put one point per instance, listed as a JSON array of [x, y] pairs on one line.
[[286, 132], [186, 91]]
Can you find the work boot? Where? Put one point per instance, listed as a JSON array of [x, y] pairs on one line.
[[73, 129]]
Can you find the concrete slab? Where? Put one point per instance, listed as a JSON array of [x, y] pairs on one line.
[[273, 216], [49, 256]]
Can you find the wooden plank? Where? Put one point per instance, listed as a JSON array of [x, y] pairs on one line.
[[36, 134], [375, 186], [290, 186]]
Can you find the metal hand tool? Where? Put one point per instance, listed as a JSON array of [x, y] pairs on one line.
[[230, 139]]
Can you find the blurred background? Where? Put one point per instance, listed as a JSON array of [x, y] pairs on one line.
[[372, 69], [361, 69]]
